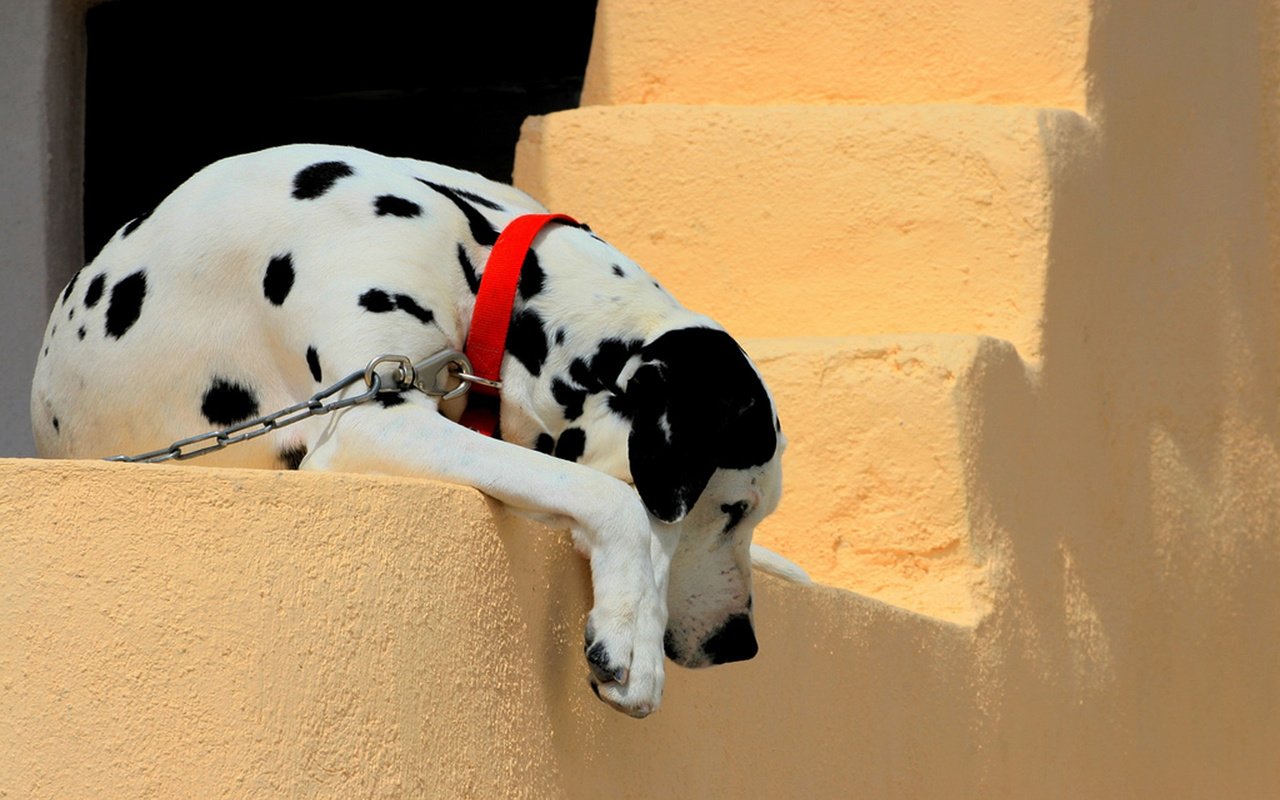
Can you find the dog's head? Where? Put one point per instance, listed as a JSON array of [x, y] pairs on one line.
[[705, 454]]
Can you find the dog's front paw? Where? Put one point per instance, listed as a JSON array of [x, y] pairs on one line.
[[626, 668]]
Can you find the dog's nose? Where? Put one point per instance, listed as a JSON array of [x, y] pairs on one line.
[[735, 641]]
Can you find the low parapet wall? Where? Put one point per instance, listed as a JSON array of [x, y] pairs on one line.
[[201, 632]]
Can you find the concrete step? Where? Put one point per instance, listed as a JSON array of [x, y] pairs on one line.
[[819, 51], [883, 437], [821, 221], [212, 632]]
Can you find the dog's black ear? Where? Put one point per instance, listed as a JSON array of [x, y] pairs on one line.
[[697, 405], [670, 460]]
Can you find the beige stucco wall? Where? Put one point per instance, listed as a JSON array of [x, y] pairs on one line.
[[1050, 479], [825, 51]]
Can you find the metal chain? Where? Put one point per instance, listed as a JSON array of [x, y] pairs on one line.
[[424, 376]]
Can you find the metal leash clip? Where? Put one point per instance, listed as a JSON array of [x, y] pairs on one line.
[[430, 376]]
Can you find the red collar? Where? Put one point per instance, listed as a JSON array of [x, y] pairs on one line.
[[487, 341]]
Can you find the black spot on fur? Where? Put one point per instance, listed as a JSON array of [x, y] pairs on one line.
[[617, 270], [389, 399], [292, 456], [545, 443], [56, 426], [569, 397], [227, 402], [468, 270], [531, 276], [481, 229], [126, 303], [80, 333], [279, 279], [581, 374], [377, 301], [611, 357], [389, 204], [601, 374], [571, 444], [410, 306], [527, 341], [560, 336], [598, 662], [478, 200], [71, 314], [132, 225], [94, 293], [317, 179], [71, 285], [736, 512], [313, 364]]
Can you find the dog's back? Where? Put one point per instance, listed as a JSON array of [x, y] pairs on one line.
[[267, 276]]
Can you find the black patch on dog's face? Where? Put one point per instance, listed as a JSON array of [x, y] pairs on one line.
[[80, 333], [313, 364], [572, 399], [572, 444], [278, 279], [313, 181], [94, 293], [227, 402], [527, 341], [468, 270], [132, 225], [389, 204], [292, 456], [57, 428], [71, 285], [617, 270], [697, 406], [377, 301], [545, 443], [126, 303], [481, 229], [531, 276]]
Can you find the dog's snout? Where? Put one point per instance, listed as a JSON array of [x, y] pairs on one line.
[[735, 641]]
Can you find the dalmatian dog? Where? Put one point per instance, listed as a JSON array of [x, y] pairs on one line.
[[638, 424]]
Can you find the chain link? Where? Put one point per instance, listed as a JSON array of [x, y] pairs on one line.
[[424, 376]]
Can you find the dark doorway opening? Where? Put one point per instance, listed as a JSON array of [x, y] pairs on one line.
[[173, 86]]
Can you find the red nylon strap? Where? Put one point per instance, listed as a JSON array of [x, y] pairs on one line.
[[487, 341]]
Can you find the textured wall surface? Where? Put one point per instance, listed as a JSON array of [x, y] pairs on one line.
[[826, 51]]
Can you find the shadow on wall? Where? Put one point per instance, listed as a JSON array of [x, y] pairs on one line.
[[1137, 478]]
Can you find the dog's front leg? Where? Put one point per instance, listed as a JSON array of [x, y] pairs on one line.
[[626, 625]]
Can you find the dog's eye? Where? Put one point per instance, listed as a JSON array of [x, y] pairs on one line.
[[736, 512]]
